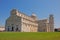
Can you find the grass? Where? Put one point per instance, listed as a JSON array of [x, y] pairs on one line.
[[29, 36]]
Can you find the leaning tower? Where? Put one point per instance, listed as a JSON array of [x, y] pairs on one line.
[[51, 23]]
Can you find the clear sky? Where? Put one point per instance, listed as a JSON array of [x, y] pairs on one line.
[[42, 8]]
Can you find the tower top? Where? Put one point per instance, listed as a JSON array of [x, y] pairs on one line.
[[51, 15]]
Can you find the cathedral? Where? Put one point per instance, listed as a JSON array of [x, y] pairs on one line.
[[18, 21]]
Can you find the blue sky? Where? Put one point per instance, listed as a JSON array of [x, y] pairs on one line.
[[42, 8]]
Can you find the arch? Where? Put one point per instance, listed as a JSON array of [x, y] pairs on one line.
[[12, 28], [17, 29]]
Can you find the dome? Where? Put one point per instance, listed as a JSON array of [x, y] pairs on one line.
[[13, 11], [33, 14]]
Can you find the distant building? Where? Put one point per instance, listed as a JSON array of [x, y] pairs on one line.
[[57, 29], [21, 22], [46, 25], [2, 29]]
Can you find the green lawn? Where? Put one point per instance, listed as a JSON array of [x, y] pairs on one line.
[[29, 36]]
